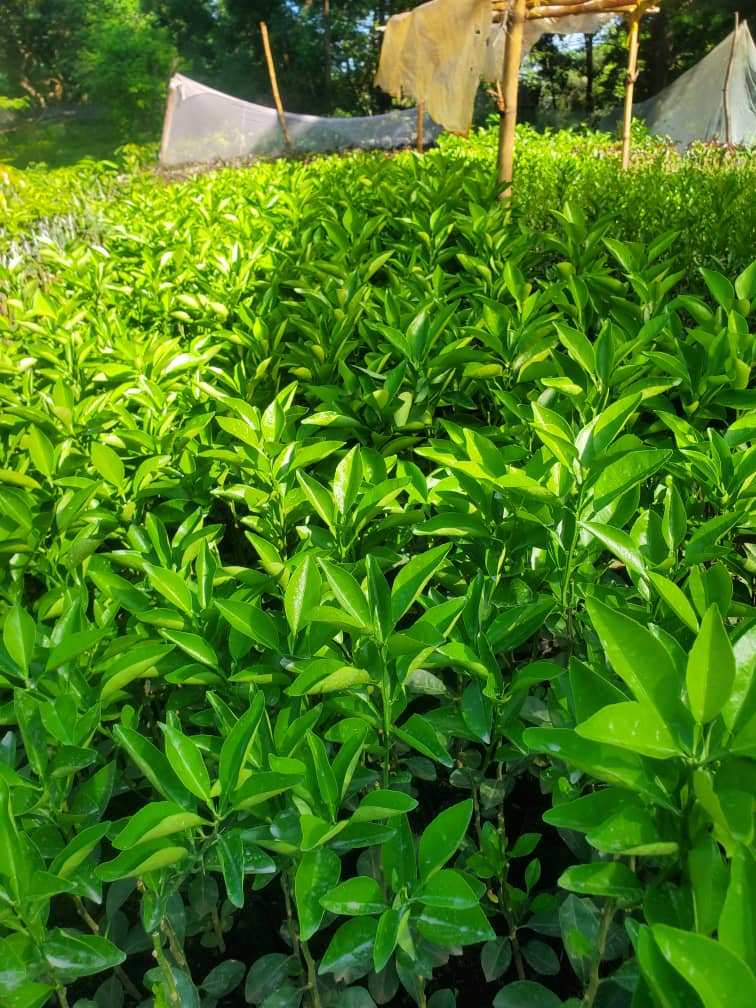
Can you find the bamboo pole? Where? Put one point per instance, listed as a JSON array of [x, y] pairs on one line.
[[726, 88], [508, 104], [274, 85], [420, 116], [632, 76]]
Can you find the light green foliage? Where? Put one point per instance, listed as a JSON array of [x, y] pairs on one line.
[[349, 523]]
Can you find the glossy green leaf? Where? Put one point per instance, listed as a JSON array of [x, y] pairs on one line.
[[302, 593], [317, 874], [172, 587], [139, 860], [717, 975], [495, 958], [737, 922], [19, 633], [153, 821], [453, 928], [108, 463], [420, 735], [231, 855], [382, 804], [347, 593], [250, 620], [708, 878], [237, 744], [441, 838], [611, 879], [607, 763], [154, 766], [711, 668], [412, 578], [77, 955], [390, 924], [639, 659], [185, 758], [634, 726], [625, 472], [349, 955], [355, 897], [447, 889], [676, 599]]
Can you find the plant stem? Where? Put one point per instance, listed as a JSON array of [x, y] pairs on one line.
[[61, 993], [593, 980], [312, 975], [157, 951]]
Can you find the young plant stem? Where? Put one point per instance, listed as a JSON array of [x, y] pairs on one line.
[[386, 704], [157, 951], [131, 989], [312, 975], [60, 991], [592, 987]]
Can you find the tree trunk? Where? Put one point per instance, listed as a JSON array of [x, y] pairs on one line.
[[327, 52], [589, 74]]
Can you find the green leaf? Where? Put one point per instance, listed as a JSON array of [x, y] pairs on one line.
[[717, 975], [193, 645], [355, 897], [737, 923], [237, 744], [419, 734], [135, 663], [640, 659], [676, 600], [347, 480], [379, 599], [224, 978], [447, 889], [383, 804], [452, 928], [41, 451], [250, 621], [412, 578], [627, 471], [526, 994], [74, 955], [442, 837], [348, 593], [153, 821], [579, 926], [261, 786], [154, 766], [302, 593], [398, 856], [349, 955], [711, 668], [139, 860], [15, 864], [541, 957], [495, 958], [78, 850], [326, 781], [19, 633], [317, 874], [107, 463], [185, 758], [231, 856], [387, 935], [620, 544], [634, 726], [171, 586], [607, 763], [669, 987], [320, 498], [709, 877], [592, 810], [611, 879]]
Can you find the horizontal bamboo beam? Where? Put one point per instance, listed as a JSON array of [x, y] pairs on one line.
[[537, 9]]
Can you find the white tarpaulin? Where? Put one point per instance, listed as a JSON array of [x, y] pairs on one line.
[[438, 53], [693, 106]]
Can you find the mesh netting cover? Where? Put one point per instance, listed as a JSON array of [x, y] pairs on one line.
[[206, 125], [693, 106]]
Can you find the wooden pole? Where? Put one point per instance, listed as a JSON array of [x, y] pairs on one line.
[[632, 76], [420, 115], [508, 103], [274, 85], [726, 88]]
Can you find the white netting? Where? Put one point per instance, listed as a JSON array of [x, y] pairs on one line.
[[693, 106], [206, 125]]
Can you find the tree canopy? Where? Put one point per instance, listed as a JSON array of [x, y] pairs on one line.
[[118, 54]]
